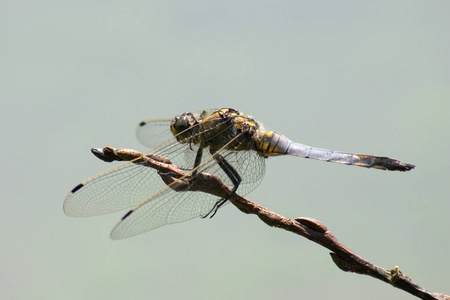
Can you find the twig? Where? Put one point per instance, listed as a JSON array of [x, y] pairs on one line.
[[311, 229]]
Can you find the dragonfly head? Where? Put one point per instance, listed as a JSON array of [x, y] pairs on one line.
[[181, 124]]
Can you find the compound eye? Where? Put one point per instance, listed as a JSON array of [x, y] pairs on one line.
[[181, 123]]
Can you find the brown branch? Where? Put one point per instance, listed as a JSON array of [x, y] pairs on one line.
[[311, 229]]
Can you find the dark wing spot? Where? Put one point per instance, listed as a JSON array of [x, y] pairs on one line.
[[142, 123], [127, 214], [77, 188]]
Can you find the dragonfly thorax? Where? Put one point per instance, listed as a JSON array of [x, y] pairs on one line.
[[226, 127]]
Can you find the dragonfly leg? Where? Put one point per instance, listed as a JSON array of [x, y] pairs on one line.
[[234, 177], [228, 169], [216, 207], [198, 160]]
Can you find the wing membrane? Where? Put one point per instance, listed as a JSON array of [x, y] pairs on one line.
[[123, 186], [167, 206], [151, 133], [113, 190]]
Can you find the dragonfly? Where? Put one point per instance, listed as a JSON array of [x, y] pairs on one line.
[[224, 142]]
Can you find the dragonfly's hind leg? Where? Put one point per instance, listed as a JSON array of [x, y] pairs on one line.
[[234, 177], [216, 206]]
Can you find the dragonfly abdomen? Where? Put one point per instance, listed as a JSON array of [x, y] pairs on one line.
[[273, 144]]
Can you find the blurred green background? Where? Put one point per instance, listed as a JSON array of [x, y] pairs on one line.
[[358, 76]]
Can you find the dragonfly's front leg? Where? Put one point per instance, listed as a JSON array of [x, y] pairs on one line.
[[198, 160]]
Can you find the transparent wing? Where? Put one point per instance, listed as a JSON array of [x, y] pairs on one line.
[[113, 190], [119, 188], [167, 206], [151, 133]]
